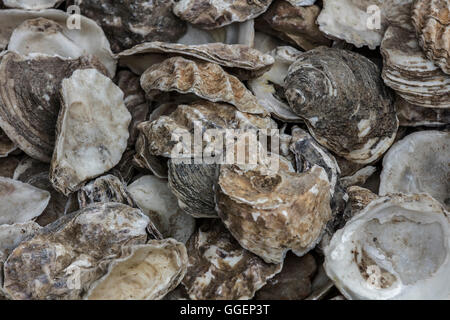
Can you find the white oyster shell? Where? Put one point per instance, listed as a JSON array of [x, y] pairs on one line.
[[31, 5], [398, 247], [92, 130], [144, 272], [20, 202], [419, 163]]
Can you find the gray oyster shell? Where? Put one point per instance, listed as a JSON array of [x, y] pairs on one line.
[[67, 256], [127, 23], [410, 115], [344, 102]]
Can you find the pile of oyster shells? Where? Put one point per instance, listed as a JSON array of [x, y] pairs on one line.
[[93, 205]]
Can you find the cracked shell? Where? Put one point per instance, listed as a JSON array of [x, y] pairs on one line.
[[344, 102], [48, 32], [74, 250], [203, 79], [241, 60], [220, 269], [431, 19], [127, 23], [407, 70], [29, 98], [419, 163], [92, 130], [273, 211], [144, 272], [211, 14], [365, 260], [20, 202], [159, 203], [31, 5]]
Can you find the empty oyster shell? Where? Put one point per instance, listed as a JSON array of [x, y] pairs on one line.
[[58, 263], [419, 163], [129, 23], [52, 34], [144, 272], [344, 102], [157, 201], [20, 202], [293, 282], [407, 70], [398, 247], [105, 189], [203, 79], [431, 18], [6, 145], [210, 14], [271, 212], [31, 5], [92, 130], [29, 98], [410, 115], [295, 24], [219, 268], [241, 60]]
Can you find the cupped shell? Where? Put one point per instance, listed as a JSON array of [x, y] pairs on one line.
[[127, 23], [66, 257], [419, 163], [29, 98], [92, 130], [55, 31], [31, 5], [210, 14], [344, 102], [431, 19], [398, 247], [220, 269], [143, 272], [203, 79]]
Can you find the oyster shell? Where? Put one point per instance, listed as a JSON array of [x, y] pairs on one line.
[[105, 189], [365, 260], [344, 102], [407, 70], [48, 32], [220, 269], [293, 282], [211, 14], [31, 5], [20, 202], [143, 159], [6, 145], [127, 23], [241, 60], [159, 203], [92, 130], [359, 198], [431, 19], [410, 115], [144, 272], [58, 263], [419, 163], [29, 98], [273, 211]]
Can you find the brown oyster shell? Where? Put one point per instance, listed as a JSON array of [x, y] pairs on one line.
[[134, 99], [410, 115], [92, 130], [344, 102], [359, 198], [407, 70], [241, 60], [295, 24], [203, 79], [6, 145], [31, 5], [143, 272], [127, 23], [431, 18], [48, 32], [273, 211], [220, 269], [66, 257], [293, 282], [211, 14], [29, 98]]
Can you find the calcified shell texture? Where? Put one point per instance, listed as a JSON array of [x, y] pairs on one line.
[[224, 149]]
